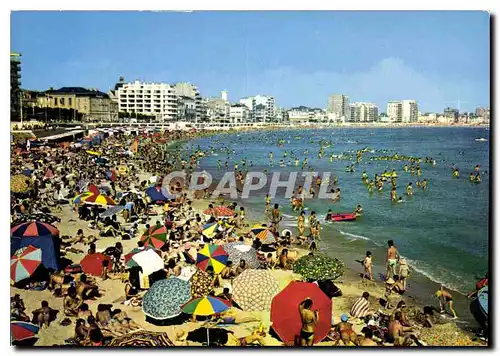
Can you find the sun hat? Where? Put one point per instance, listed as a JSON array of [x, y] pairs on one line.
[[390, 281], [344, 317]]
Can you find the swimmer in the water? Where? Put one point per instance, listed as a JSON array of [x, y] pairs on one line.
[[400, 200], [394, 196], [478, 178], [472, 177], [456, 174], [358, 211], [409, 189], [406, 168], [424, 184], [371, 186]]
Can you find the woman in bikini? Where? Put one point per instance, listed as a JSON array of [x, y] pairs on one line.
[[309, 321]]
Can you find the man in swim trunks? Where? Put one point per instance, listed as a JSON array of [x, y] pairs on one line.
[[391, 259], [309, 320], [445, 298]]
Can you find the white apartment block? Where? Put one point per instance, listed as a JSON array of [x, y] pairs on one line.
[[262, 107], [409, 111], [239, 113], [395, 111], [158, 99], [338, 104], [218, 109], [297, 115], [363, 112]]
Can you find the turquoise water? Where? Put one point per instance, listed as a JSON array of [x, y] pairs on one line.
[[443, 232]]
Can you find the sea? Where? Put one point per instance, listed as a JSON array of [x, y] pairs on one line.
[[442, 231]]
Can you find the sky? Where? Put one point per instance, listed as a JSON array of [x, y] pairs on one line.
[[437, 58]]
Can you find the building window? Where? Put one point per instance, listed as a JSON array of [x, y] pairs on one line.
[[55, 101], [69, 101], [61, 101]]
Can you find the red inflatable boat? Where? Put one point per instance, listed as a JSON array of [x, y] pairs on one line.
[[342, 217]]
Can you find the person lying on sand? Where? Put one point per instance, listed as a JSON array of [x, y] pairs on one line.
[[347, 334]]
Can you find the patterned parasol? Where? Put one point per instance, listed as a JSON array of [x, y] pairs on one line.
[[205, 306], [24, 263], [32, 229], [20, 330], [254, 289], [99, 199], [238, 251], [19, 183], [212, 255], [210, 230], [201, 284], [265, 235], [165, 297], [156, 236]]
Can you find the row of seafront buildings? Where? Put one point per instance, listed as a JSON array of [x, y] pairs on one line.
[[163, 102]]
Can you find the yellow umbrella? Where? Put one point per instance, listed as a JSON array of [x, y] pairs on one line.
[[93, 153]]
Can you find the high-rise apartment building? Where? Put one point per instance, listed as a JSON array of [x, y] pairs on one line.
[[409, 111], [363, 112], [158, 99], [15, 86], [262, 108], [338, 104], [395, 111]]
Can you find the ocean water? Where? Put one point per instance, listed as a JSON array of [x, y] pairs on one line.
[[443, 232]]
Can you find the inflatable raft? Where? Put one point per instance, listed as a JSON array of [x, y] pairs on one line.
[[342, 217]]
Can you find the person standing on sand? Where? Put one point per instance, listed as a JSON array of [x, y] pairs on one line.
[[276, 218], [391, 259], [368, 266], [309, 320], [445, 298]]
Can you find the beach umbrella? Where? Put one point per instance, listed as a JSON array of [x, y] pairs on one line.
[[156, 236], [112, 210], [19, 184], [49, 245], [238, 251], [142, 338], [79, 198], [148, 260], [24, 263], [212, 255], [285, 315], [21, 330], [99, 199], [318, 267], [165, 297], [265, 235], [33, 229], [39, 216], [93, 189], [92, 263], [128, 256], [219, 212], [201, 284], [254, 289], [210, 230], [205, 306]]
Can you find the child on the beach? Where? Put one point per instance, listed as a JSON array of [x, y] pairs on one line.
[[404, 271], [367, 265]]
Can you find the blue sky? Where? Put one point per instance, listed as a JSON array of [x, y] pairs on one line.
[[301, 58]]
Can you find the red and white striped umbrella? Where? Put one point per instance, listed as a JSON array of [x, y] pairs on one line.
[[24, 263]]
